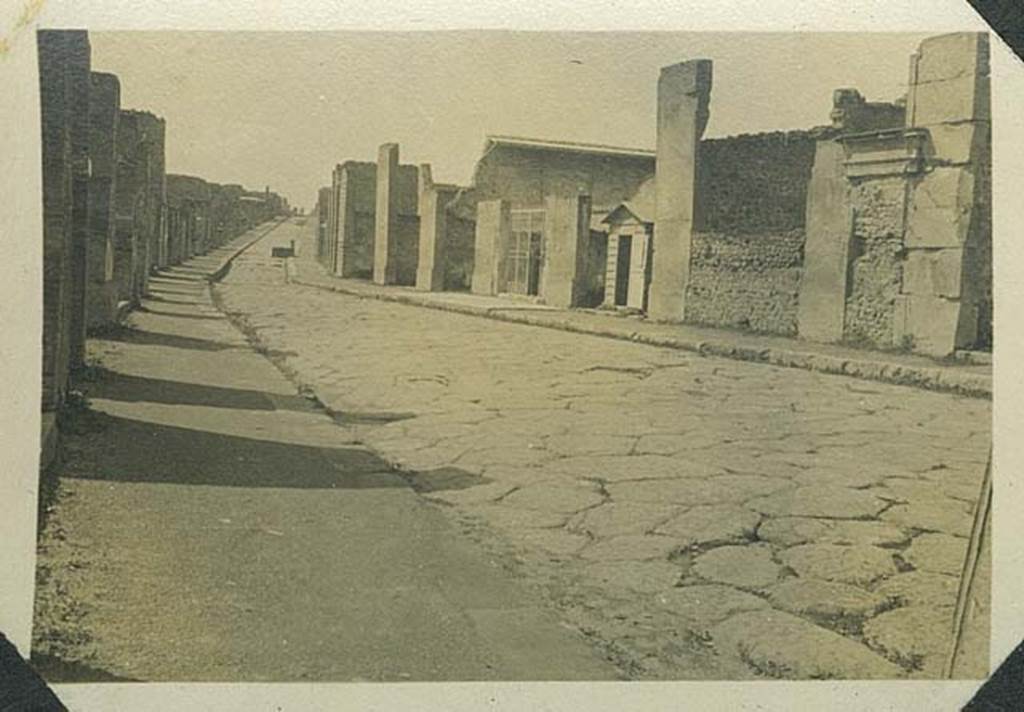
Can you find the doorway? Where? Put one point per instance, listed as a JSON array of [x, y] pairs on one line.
[[623, 259]]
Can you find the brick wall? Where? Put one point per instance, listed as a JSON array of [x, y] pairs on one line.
[[747, 249]]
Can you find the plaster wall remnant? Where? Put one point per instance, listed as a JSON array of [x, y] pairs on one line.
[[684, 92]]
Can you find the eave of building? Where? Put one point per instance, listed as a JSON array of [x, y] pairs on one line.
[[567, 147]]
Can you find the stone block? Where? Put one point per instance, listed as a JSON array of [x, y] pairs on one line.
[[780, 642], [934, 272], [956, 143], [938, 214], [963, 98], [566, 236], [952, 55], [933, 325]]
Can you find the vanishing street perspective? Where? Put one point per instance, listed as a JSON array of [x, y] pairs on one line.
[[716, 409]]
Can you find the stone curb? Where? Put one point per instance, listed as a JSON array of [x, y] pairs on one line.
[[936, 378], [225, 266]]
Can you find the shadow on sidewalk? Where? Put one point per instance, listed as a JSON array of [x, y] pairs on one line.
[[138, 389], [136, 451], [153, 338]]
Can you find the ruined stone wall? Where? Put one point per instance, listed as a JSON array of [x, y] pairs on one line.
[[876, 267], [747, 281], [747, 249], [524, 176], [355, 199]]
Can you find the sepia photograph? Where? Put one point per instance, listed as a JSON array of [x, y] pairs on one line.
[[511, 356]]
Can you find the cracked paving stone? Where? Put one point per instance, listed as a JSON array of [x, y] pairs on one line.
[[615, 468], [554, 498], [555, 542], [791, 531], [782, 645], [639, 547], [946, 515], [711, 525], [937, 553], [587, 444], [820, 501], [914, 634], [620, 518], [515, 519], [805, 596], [859, 564], [634, 576], [921, 588], [743, 566], [845, 477], [692, 492], [704, 605]]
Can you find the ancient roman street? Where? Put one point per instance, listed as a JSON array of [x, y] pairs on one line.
[[714, 409], [691, 517]]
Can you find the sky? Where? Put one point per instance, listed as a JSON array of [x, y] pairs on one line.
[[282, 108]]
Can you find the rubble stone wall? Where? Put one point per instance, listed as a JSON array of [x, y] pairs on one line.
[[747, 250]]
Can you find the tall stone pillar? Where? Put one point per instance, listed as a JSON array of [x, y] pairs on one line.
[[947, 272], [434, 238], [79, 84], [684, 92], [104, 110], [332, 241], [566, 241], [821, 310], [493, 224], [385, 266]]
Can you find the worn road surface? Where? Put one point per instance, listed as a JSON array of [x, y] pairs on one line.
[[214, 524], [696, 517]]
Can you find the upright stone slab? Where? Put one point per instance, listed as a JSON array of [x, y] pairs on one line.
[[822, 304], [945, 298], [684, 92], [385, 267], [434, 238], [104, 110], [493, 224], [566, 239]]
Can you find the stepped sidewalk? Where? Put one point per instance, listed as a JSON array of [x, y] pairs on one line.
[[967, 377]]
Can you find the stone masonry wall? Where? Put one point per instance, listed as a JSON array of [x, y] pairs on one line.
[[747, 250], [876, 270]]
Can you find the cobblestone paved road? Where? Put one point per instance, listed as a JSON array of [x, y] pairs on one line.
[[699, 518]]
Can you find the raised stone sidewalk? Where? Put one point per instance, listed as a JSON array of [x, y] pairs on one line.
[[970, 376]]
